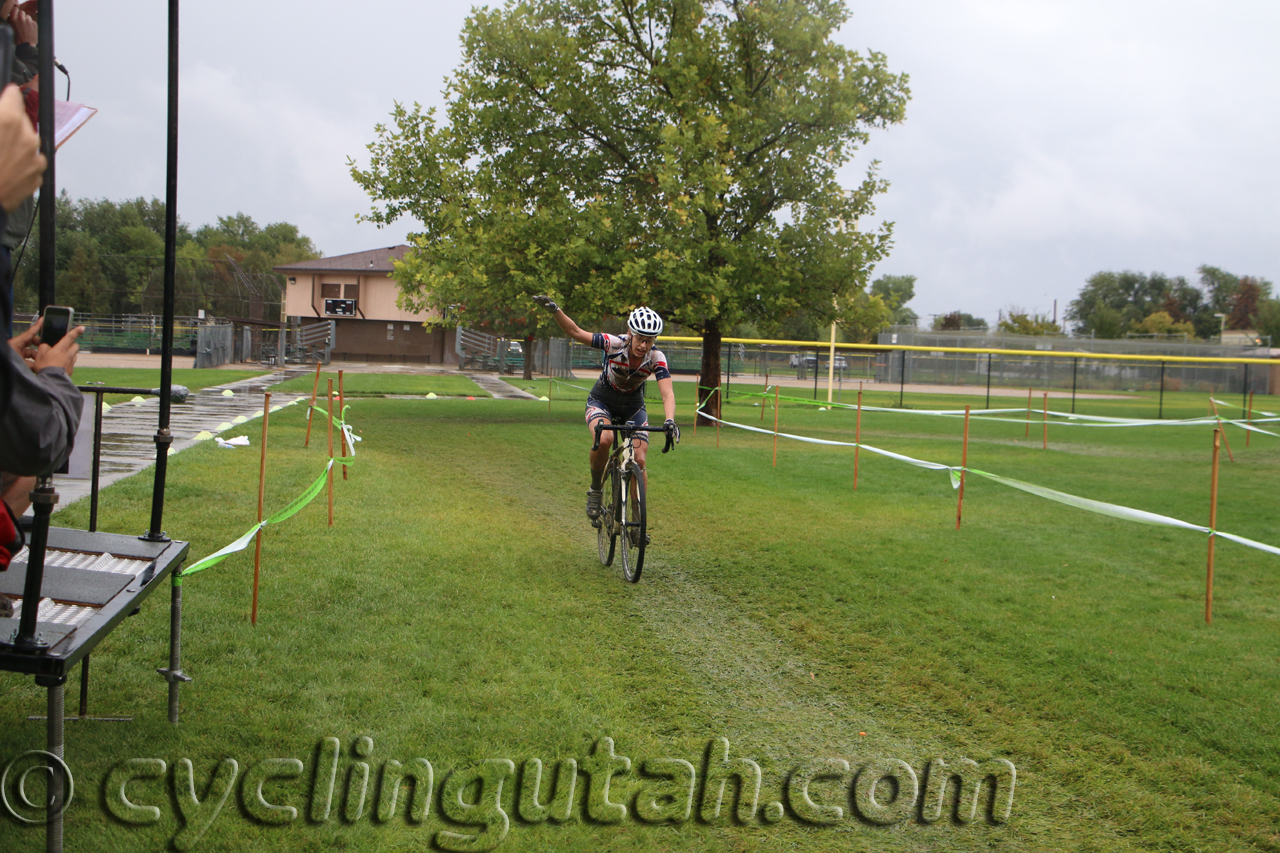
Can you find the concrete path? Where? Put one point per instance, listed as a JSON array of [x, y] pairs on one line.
[[498, 388], [128, 429]]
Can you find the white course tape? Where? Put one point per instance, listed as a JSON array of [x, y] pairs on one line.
[[1087, 504], [571, 385], [1059, 418]]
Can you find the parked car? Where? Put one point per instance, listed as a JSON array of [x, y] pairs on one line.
[[811, 361]]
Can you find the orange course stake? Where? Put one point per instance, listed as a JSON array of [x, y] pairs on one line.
[[1214, 407], [857, 437], [1213, 526], [262, 491], [775, 426], [342, 438], [314, 387], [1248, 434], [1046, 420], [1028, 432], [964, 463], [330, 477]]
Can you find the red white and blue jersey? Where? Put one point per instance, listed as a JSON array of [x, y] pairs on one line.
[[616, 372]]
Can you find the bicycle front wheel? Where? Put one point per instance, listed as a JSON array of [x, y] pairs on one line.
[[634, 537], [607, 531]]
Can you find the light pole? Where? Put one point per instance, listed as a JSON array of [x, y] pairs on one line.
[[1222, 327]]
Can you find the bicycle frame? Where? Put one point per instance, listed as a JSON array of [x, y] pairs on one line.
[[625, 516]]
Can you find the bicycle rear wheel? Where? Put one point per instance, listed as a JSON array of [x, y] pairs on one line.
[[607, 531], [633, 532]]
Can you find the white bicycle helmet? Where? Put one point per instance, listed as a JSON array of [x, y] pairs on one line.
[[645, 321]]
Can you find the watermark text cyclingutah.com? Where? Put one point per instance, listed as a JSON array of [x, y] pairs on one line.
[[477, 803]]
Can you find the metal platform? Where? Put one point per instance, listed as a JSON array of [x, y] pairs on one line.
[[92, 581]]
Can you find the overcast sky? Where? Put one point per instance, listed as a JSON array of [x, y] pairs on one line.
[[1045, 140]]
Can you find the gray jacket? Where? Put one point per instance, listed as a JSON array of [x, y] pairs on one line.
[[39, 418]]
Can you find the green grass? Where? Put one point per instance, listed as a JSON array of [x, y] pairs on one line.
[[388, 384], [139, 377], [457, 612]]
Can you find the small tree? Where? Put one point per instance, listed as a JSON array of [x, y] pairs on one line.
[[1019, 322], [1266, 319], [897, 291], [1244, 303], [957, 321], [1161, 323]]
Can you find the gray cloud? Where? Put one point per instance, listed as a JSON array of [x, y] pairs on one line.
[[1046, 139]]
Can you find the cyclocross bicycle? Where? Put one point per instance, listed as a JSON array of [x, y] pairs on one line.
[[624, 510]]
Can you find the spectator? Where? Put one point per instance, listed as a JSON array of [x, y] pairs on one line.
[[20, 17], [39, 406]]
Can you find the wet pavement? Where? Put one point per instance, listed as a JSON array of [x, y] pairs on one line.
[[128, 429], [498, 388]]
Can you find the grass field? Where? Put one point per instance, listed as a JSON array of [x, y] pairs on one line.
[[388, 384], [457, 613]]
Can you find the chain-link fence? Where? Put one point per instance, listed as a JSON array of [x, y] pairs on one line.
[[128, 333], [1167, 370], [1077, 369]]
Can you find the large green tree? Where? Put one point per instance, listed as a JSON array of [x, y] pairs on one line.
[[675, 153], [1111, 301]]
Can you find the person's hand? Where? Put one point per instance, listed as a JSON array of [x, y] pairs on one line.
[[21, 163], [669, 427], [25, 344], [62, 354], [545, 302], [25, 30]]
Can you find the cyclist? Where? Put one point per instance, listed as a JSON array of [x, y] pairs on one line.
[[618, 395]]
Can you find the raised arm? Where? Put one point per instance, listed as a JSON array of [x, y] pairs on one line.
[[562, 320]]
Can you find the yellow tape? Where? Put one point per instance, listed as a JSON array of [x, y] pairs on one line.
[[970, 351]]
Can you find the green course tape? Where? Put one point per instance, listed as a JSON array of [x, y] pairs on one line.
[[341, 423], [291, 509], [288, 512]]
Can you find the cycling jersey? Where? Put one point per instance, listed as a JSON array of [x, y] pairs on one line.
[[616, 373]]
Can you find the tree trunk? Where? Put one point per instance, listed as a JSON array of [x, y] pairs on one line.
[[528, 358], [709, 381]]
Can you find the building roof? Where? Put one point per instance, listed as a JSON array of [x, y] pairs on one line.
[[372, 261]]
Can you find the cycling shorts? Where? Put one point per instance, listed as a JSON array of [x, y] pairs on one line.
[[620, 409]]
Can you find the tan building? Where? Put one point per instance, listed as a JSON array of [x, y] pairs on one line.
[[357, 292]]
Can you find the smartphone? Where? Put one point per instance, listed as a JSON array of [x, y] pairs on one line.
[[57, 322]]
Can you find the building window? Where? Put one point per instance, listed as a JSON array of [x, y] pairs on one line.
[[352, 292], [330, 291]]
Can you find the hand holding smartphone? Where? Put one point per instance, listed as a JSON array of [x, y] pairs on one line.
[[57, 322]]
